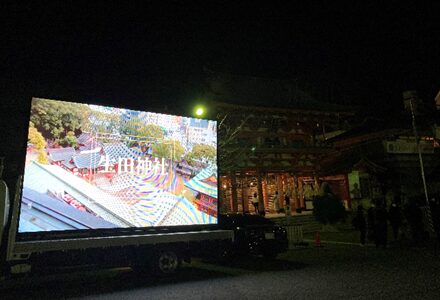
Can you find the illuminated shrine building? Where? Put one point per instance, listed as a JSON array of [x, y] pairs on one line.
[[275, 137], [276, 150], [287, 142]]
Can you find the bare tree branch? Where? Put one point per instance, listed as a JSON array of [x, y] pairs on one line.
[[229, 151]]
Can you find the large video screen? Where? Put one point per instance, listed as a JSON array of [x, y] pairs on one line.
[[97, 167]]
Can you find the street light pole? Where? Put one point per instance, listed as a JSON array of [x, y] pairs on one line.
[[411, 98], [422, 168]]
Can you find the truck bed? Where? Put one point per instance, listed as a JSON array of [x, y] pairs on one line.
[[116, 241]]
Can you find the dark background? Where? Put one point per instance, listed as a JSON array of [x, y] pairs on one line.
[[133, 53], [153, 54]]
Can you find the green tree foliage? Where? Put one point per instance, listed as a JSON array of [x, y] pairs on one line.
[[134, 126], [69, 140], [201, 152], [103, 122], [133, 123], [168, 149], [153, 131], [327, 207], [37, 140], [42, 157], [55, 118]]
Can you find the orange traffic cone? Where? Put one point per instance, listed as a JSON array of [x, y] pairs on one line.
[[318, 239]]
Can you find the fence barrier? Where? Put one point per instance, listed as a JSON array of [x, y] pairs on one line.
[[294, 235]]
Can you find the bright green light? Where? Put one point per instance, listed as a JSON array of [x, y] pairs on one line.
[[199, 111]]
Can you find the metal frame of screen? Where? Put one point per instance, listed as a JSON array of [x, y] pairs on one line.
[[116, 171]]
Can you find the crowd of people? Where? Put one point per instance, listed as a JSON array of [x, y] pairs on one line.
[[410, 221]]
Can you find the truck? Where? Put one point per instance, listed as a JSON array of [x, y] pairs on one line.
[[102, 186]]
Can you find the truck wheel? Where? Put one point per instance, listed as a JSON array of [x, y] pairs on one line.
[[166, 262]]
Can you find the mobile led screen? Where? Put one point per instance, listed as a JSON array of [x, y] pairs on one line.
[[98, 167]]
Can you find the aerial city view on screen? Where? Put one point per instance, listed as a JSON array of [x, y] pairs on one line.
[[93, 167]]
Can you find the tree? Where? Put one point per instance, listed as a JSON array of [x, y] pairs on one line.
[[69, 140], [328, 207], [153, 131], [55, 118], [101, 121], [229, 151], [37, 140], [134, 124], [169, 149], [201, 152]]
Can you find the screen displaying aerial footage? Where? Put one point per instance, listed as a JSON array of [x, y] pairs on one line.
[[97, 167]]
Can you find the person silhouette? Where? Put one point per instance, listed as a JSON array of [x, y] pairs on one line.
[[255, 203], [360, 224], [394, 216]]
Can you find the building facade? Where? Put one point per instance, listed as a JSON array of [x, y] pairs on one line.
[[276, 150], [272, 141]]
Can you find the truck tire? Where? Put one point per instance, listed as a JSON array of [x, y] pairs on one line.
[[166, 262]]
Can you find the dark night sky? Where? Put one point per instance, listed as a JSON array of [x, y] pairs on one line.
[[154, 52]]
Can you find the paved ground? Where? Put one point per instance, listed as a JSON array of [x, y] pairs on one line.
[[335, 271]]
